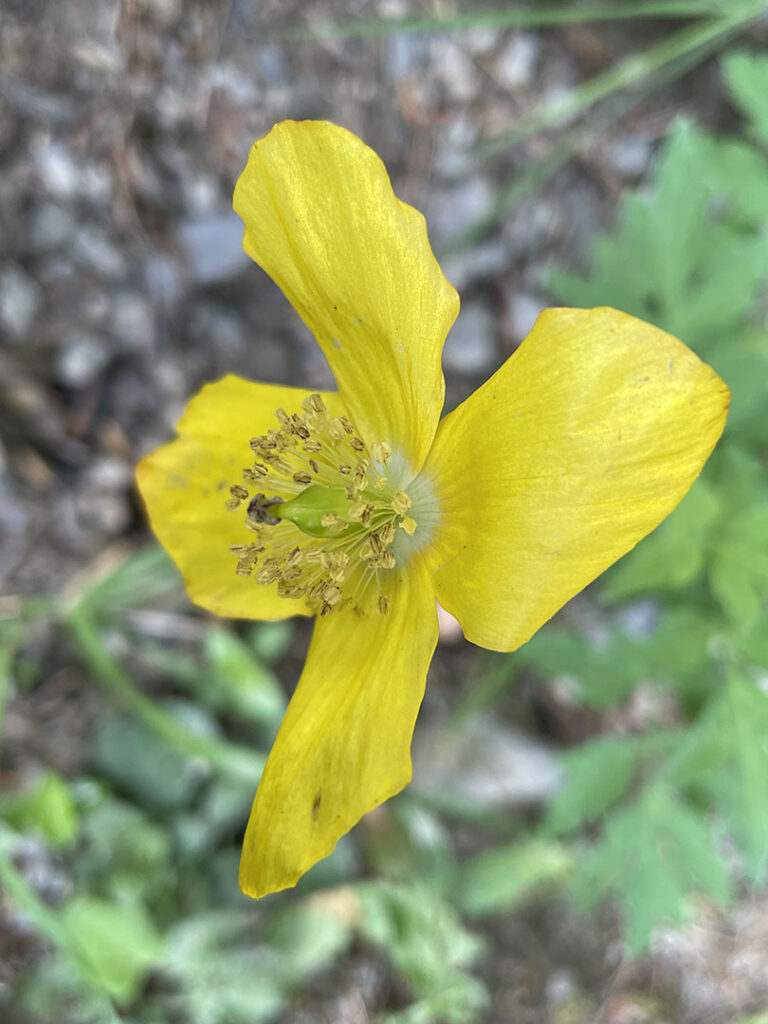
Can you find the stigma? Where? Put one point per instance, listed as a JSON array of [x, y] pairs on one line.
[[330, 516]]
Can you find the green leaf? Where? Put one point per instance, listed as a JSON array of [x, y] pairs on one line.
[[746, 75], [271, 640], [654, 855], [736, 173], [420, 932], [606, 672], [738, 574], [498, 879], [241, 683], [139, 762], [223, 976], [596, 776], [313, 933], [680, 256], [725, 753], [745, 371], [46, 807], [676, 652], [117, 943], [124, 854]]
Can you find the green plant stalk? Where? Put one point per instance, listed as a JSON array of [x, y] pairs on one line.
[[538, 16], [229, 758], [16, 888], [544, 167], [627, 72]]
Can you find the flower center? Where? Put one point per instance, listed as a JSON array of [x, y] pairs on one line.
[[331, 516]]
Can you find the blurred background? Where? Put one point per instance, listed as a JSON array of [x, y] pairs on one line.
[[586, 835]]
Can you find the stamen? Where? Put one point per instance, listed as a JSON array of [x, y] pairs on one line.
[[325, 530]]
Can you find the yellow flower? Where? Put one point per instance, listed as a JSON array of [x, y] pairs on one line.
[[364, 506]]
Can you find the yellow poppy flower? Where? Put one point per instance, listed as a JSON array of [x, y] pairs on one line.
[[363, 506]]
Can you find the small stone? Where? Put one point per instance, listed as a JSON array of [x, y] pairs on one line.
[[214, 327], [102, 512], [19, 302], [479, 41], [80, 360], [453, 157], [57, 169], [406, 54], [272, 65], [213, 247], [630, 155], [164, 281], [482, 263], [49, 227], [561, 986], [455, 70], [471, 344], [451, 211], [133, 321], [94, 250], [107, 473], [164, 12], [531, 228], [514, 67], [522, 313], [486, 763]]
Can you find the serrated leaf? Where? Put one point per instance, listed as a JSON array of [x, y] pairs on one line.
[[730, 163], [606, 672], [745, 371], [499, 878], [746, 75], [420, 932], [738, 574], [224, 976], [727, 754], [117, 943], [654, 856], [679, 257], [596, 776]]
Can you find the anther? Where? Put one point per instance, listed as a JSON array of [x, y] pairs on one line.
[[382, 452], [401, 503]]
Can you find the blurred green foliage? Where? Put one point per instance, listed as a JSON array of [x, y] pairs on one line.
[[151, 928], [691, 255]]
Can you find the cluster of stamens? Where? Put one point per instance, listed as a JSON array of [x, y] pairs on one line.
[[325, 512]]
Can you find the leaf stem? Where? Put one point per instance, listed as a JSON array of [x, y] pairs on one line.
[[232, 759], [627, 72], [530, 16]]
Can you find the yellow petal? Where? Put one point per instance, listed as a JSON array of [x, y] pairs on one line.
[[185, 486], [576, 449], [322, 220], [344, 745]]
